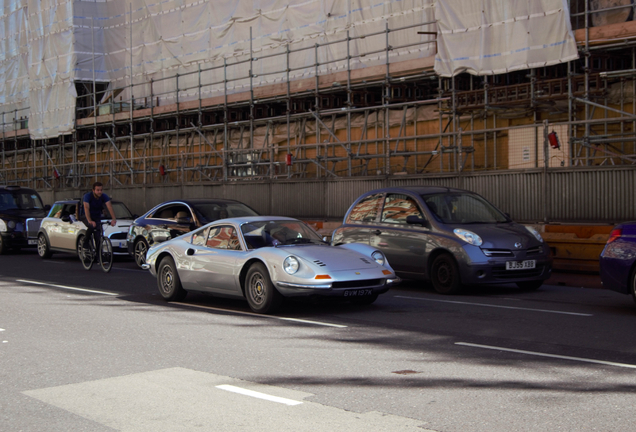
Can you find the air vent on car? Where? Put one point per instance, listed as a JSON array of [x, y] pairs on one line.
[[497, 252], [364, 260], [320, 263]]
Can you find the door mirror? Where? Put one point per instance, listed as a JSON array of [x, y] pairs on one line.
[[414, 220], [47, 207], [66, 218]]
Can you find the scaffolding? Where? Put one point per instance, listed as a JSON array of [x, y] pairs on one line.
[[395, 119]]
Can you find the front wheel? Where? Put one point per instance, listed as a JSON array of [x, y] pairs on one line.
[[106, 254], [632, 284], [445, 275], [44, 250], [259, 290], [530, 285], [168, 281], [141, 247]]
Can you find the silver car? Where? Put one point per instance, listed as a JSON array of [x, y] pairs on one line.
[[453, 237], [266, 258]]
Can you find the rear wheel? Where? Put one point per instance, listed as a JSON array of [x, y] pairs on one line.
[[86, 254], [445, 275], [259, 290], [168, 281], [106, 254], [44, 250], [141, 247], [530, 285], [632, 284]]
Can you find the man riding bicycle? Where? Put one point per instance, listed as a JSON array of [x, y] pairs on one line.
[[94, 202]]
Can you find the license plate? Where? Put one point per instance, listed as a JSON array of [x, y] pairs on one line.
[[520, 265], [33, 242], [357, 293]]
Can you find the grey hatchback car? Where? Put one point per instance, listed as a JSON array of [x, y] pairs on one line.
[[453, 237]]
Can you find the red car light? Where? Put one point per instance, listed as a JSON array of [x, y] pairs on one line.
[[615, 234]]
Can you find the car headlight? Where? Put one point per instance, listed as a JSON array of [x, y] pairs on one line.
[[535, 233], [291, 264], [468, 236], [378, 257], [3, 226], [11, 224]]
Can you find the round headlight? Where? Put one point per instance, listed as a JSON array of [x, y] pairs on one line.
[[468, 236], [3, 226], [535, 233], [11, 224], [291, 264], [378, 257]]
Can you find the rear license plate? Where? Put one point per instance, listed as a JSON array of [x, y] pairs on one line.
[[33, 242], [520, 265], [357, 293]]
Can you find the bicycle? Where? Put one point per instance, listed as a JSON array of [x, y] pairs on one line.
[[88, 256]]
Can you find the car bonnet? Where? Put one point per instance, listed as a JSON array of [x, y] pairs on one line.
[[502, 236], [331, 258]]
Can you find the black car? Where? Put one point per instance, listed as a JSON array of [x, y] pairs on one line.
[[174, 218], [453, 237], [21, 211]]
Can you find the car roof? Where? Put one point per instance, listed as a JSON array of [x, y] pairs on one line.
[[195, 201], [248, 219], [419, 190], [75, 200], [16, 188]]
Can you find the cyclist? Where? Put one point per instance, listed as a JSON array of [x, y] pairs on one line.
[[93, 206]]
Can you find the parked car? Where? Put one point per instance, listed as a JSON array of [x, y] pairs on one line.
[[174, 218], [618, 259], [62, 231], [21, 209], [264, 259], [452, 237]]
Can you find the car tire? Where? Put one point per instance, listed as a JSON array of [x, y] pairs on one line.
[[366, 300], [140, 249], [260, 292], [530, 285], [44, 249], [3, 246], [445, 275], [632, 284], [168, 281]]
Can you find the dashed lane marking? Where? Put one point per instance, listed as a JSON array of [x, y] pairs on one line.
[[258, 395]]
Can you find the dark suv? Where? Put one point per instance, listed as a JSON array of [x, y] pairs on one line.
[[21, 211]]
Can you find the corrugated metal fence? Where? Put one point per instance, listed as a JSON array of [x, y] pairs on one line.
[[597, 195]]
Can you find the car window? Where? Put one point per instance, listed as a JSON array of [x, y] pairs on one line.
[[121, 211], [211, 212], [20, 200], [397, 207], [223, 237], [56, 210], [366, 210], [199, 237], [171, 212], [463, 208]]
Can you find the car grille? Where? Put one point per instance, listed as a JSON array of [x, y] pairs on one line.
[[502, 273], [535, 250], [33, 225], [497, 252], [118, 236], [358, 283]]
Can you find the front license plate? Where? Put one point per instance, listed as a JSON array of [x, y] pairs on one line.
[[520, 265], [33, 242], [357, 293]]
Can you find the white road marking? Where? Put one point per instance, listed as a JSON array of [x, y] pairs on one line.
[[624, 365], [66, 287], [258, 395], [265, 316], [1, 329], [496, 306]]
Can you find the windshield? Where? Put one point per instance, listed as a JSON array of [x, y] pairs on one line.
[[121, 211], [463, 208], [213, 211], [273, 233], [20, 200]]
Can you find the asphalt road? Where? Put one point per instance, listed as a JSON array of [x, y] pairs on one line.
[[88, 351]]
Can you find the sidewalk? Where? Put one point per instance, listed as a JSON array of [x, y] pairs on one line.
[[578, 280]]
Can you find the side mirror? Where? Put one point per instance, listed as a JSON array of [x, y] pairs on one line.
[[190, 252], [66, 218], [414, 220], [47, 207]]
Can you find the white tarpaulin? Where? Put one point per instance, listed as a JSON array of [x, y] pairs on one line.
[[485, 37]]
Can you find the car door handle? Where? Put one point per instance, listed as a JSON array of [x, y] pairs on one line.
[[377, 232]]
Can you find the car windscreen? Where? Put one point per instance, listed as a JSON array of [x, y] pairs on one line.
[[462, 208], [121, 211], [274, 233], [20, 201], [215, 211]]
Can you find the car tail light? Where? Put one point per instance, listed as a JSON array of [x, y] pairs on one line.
[[615, 234]]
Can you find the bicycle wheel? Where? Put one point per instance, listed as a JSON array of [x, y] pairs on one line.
[[106, 254], [87, 255]]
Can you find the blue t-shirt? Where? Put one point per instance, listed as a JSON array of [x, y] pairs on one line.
[[96, 205]]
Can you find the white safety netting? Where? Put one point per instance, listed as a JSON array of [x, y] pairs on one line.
[[488, 37]]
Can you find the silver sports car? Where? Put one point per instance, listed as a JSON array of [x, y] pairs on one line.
[[266, 258]]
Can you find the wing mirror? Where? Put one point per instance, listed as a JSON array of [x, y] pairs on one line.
[[66, 218], [414, 220]]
